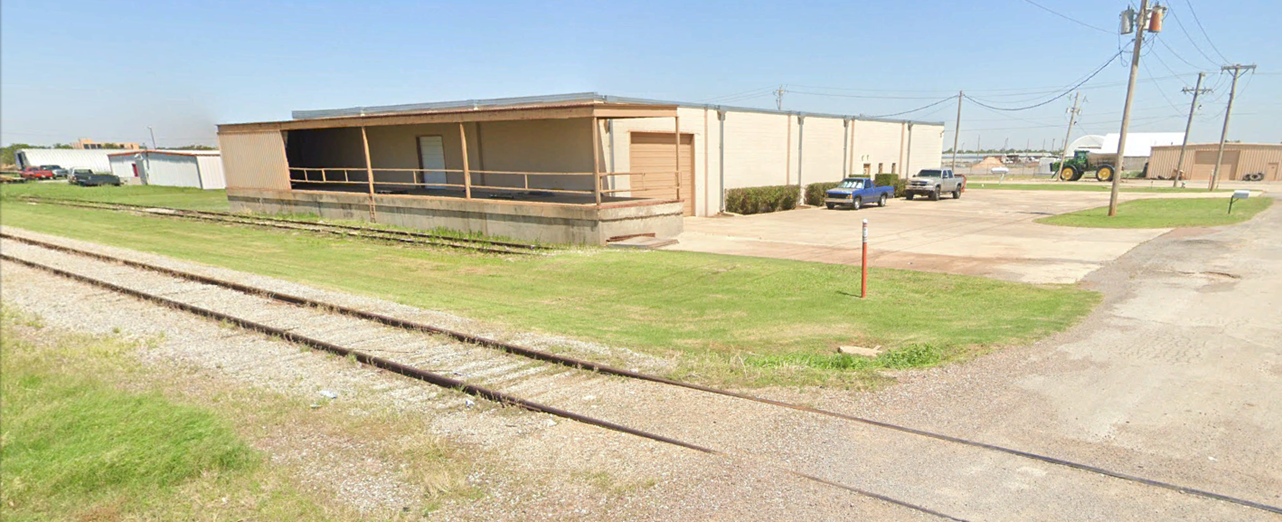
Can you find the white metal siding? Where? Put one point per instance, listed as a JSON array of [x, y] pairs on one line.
[[95, 160], [170, 170], [211, 172]]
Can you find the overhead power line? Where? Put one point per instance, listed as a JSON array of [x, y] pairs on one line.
[[948, 99], [1069, 18], [1056, 97], [863, 96], [1191, 40], [1199, 26]]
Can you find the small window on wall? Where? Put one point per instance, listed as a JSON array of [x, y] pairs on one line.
[[893, 168], [867, 169], [881, 168]]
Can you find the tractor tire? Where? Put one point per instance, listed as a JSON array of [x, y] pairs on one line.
[[881, 201], [1069, 174], [857, 203], [1105, 173], [831, 206], [934, 196]]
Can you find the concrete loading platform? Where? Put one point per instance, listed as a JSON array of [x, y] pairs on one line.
[[542, 221]]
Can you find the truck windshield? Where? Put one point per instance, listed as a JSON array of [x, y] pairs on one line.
[[930, 174], [852, 183]]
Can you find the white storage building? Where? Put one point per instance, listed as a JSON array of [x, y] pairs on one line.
[[170, 168], [95, 160]]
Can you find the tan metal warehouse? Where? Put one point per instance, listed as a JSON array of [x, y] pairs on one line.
[[1199, 161], [524, 167]]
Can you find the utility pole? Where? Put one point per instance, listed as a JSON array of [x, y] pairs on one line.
[[1140, 26], [1072, 118], [956, 130], [1179, 165], [1219, 156], [779, 97], [153, 137]]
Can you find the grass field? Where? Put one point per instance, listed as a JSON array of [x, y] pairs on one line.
[[1164, 213], [724, 317], [76, 447], [176, 197], [1088, 186]]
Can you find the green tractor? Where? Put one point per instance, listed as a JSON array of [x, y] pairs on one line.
[[1082, 162]]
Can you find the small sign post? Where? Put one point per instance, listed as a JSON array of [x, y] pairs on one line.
[[1237, 194], [863, 266]]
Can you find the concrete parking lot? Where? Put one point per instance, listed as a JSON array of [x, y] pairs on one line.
[[990, 233]]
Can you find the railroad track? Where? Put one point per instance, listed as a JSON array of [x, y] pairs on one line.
[[402, 236], [487, 368]]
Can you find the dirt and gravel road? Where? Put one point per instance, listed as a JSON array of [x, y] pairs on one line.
[[1176, 376]]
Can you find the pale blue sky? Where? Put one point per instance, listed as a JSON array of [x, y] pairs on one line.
[[107, 70]]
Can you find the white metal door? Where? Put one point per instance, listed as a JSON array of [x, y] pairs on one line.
[[431, 157]]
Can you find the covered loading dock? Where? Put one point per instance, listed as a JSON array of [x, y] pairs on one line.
[[517, 161]]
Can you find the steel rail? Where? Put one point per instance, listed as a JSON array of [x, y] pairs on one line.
[[610, 370], [249, 219], [448, 382]]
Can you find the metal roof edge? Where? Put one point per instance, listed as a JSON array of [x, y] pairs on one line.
[[571, 97], [735, 108]]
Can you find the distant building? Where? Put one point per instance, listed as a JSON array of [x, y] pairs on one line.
[[1199, 161], [170, 168], [95, 160], [88, 144], [1138, 145]]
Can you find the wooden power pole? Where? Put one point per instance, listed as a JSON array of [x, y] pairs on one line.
[[956, 132], [1219, 156], [1072, 118], [1140, 27], [1179, 165]]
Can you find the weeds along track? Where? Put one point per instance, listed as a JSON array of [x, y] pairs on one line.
[[491, 369], [378, 234]]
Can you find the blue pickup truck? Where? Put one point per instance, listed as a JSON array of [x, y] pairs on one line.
[[855, 192]]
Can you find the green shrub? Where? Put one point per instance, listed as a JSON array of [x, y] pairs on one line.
[[889, 180], [758, 200], [815, 192]]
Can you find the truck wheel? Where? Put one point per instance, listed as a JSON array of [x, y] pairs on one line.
[[934, 196], [1068, 174], [957, 193], [908, 196], [1105, 173], [831, 206], [881, 201], [857, 203]]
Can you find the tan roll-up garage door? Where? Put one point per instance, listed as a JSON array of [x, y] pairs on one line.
[[651, 152]]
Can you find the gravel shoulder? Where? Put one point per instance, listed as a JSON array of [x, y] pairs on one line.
[[1176, 376], [523, 466]]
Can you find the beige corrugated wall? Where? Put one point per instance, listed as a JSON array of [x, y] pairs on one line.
[[254, 160], [760, 151], [1199, 161]]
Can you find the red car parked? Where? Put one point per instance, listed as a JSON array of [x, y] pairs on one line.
[[37, 173]]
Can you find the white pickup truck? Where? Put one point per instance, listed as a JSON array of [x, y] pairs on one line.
[[933, 182]]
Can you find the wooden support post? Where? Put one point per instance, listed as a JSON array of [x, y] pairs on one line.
[[596, 162], [467, 173], [369, 175], [676, 152]]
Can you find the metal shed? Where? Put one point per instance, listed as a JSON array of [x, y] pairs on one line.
[[170, 168], [95, 160]]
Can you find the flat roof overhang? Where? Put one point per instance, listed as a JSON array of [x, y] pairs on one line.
[[462, 115]]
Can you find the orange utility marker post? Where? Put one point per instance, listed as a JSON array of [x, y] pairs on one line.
[[863, 266]]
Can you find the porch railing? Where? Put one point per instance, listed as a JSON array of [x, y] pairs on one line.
[[639, 185]]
